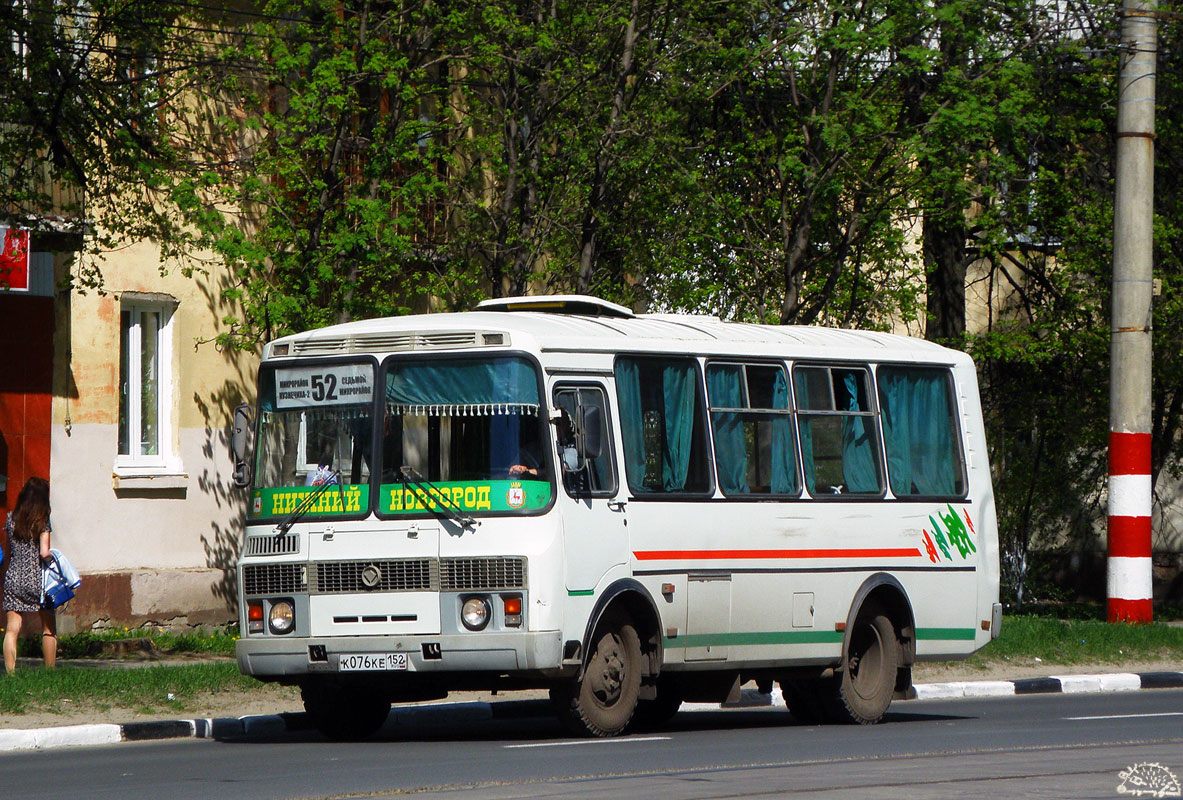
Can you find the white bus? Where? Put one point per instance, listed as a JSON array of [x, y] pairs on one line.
[[630, 510]]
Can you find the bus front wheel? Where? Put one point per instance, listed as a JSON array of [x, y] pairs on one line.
[[344, 713], [602, 701], [868, 676], [651, 714]]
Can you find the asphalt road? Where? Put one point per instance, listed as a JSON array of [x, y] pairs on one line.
[[1058, 745]]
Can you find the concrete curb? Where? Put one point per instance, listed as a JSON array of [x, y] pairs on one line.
[[450, 713], [1066, 684]]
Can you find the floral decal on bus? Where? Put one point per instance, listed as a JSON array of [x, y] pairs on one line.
[[954, 537]]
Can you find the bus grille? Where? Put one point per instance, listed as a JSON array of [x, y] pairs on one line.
[[470, 574], [271, 545], [406, 575], [260, 579], [488, 573]]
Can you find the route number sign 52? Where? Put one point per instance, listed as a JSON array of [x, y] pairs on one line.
[[324, 385]]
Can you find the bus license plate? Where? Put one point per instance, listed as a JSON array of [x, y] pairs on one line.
[[365, 662]]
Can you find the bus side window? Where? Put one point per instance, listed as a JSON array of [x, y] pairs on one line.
[[920, 432], [585, 472], [752, 428], [836, 424], [661, 421]]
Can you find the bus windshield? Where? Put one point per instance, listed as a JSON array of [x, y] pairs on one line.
[[315, 429], [470, 430]]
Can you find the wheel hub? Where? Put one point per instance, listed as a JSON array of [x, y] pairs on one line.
[[866, 664], [607, 677]]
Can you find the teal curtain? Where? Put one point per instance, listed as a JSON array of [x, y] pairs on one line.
[[858, 446], [499, 389], [462, 382], [628, 394], [784, 459], [807, 454], [725, 390], [918, 432], [677, 382], [813, 392]]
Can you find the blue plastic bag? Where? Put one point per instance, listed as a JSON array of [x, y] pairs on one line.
[[59, 579]]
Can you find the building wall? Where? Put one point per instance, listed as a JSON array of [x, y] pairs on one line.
[[153, 548]]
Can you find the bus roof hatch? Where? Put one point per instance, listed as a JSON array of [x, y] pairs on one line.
[[579, 304]]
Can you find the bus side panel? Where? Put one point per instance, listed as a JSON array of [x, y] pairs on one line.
[[981, 495]]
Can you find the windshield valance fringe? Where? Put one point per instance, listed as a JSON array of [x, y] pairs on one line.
[[463, 409]]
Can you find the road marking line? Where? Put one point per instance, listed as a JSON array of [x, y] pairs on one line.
[[1131, 716], [591, 741]]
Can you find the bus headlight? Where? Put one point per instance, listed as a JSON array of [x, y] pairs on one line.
[[282, 618], [475, 613]]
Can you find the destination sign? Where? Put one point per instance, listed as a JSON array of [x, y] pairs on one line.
[[324, 385]]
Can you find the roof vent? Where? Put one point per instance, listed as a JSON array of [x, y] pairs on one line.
[[577, 304]]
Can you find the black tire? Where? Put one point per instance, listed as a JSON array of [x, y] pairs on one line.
[[344, 714], [603, 701], [809, 700], [867, 681], [655, 713]]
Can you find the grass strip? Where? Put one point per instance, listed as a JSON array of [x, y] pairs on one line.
[[89, 644], [1081, 641], [143, 690]]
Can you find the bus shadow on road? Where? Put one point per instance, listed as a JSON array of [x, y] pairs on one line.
[[532, 721]]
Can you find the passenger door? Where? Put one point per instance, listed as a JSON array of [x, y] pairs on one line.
[[594, 534]]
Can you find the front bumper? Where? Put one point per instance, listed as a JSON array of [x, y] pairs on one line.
[[496, 652]]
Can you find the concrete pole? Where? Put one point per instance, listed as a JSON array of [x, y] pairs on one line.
[[1129, 585]]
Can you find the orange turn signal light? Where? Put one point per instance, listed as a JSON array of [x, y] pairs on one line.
[[513, 605]]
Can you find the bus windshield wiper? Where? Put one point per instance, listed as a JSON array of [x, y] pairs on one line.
[[433, 493], [307, 502]]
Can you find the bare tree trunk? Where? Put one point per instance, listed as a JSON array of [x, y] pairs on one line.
[[599, 188], [944, 241]]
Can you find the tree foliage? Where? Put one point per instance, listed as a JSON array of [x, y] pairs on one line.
[[88, 144], [939, 165]]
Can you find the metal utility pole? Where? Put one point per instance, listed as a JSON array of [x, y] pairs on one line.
[[1129, 585]]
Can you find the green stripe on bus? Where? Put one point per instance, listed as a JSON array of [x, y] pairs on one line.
[[756, 638], [580, 592], [966, 634]]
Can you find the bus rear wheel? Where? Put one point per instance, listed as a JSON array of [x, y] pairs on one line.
[[344, 713], [808, 700], [867, 682], [602, 702]]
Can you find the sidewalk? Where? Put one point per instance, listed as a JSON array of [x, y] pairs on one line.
[[468, 707]]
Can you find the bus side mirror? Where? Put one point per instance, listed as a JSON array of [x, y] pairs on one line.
[[590, 438], [238, 445]]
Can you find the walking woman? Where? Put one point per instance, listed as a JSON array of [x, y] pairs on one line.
[[27, 532]]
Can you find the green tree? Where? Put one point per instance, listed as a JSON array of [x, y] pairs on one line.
[[802, 157], [569, 124], [859, 163], [89, 140], [338, 188]]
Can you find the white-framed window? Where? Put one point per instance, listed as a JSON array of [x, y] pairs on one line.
[[145, 387]]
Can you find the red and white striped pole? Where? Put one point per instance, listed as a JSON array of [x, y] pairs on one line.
[[1130, 567]]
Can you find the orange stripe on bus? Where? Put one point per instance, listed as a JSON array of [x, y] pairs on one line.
[[882, 552]]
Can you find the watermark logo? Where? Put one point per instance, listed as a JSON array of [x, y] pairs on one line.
[[1149, 779]]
